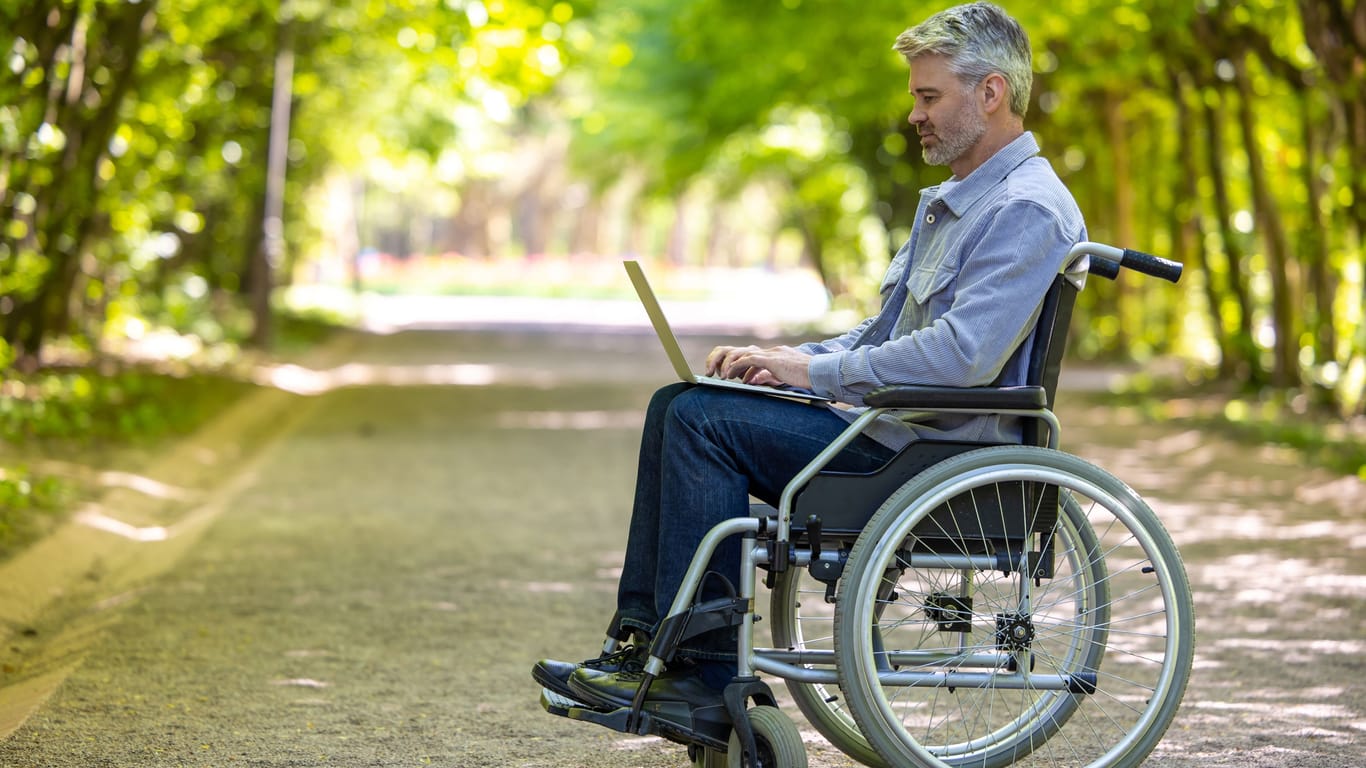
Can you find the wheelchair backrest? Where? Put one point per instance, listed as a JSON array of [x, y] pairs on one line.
[[845, 502], [1047, 344]]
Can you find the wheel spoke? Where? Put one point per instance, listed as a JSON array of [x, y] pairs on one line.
[[1083, 666]]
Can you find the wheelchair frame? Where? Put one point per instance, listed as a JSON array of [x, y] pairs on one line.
[[927, 483]]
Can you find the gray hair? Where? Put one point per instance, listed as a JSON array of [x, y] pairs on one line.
[[977, 39]]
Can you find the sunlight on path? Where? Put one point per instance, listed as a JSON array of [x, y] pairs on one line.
[[751, 299]]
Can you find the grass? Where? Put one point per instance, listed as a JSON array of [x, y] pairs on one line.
[[1321, 436], [62, 423]]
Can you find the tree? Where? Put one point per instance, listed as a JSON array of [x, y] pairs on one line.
[[134, 136], [71, 67], [134, 139]]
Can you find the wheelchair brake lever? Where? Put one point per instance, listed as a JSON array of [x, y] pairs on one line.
[[827, 572]]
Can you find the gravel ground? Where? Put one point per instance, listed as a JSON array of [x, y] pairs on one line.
[[372, 588]]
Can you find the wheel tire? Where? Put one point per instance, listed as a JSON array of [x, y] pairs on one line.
[[1120, 592], [776, 736]]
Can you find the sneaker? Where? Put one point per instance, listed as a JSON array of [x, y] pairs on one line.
[[554, 675]]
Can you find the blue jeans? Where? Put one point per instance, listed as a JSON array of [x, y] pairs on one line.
[[703, 453]]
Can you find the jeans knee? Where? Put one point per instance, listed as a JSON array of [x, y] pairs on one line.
[[689, 408], [664, 397]]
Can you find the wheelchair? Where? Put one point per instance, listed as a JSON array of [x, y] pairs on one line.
[[965, 605]]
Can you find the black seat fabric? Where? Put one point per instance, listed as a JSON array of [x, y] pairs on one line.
[[844, 502]]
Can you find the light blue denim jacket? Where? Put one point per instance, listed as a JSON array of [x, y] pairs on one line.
[[960, 297]]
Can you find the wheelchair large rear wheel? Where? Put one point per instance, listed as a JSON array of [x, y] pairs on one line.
[[804, 621], [1073, 650]]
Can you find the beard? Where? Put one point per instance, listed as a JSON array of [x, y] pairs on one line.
[[962, 130]]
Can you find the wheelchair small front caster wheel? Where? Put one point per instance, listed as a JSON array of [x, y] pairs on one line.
[[776, 737], [703, 757]]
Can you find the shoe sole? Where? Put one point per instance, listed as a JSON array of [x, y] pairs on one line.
[[596, 699], [563, 696]]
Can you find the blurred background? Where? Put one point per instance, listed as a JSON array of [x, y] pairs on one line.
[[181, 180]]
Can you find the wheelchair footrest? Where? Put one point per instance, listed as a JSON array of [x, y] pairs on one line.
[[704, 726], [556, 704]]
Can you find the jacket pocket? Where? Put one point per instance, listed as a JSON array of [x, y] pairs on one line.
[[927, 282]]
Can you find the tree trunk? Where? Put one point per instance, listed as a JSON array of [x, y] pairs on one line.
[[1313, 241], [1191, 220], [271, 253], [679, 231], [1337, 37], [814, 251], [1122, 211], [1243, 344], [587, 227], [1285, 370]]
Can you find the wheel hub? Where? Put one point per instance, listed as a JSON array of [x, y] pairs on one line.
[[949, 613], [1014, 632]]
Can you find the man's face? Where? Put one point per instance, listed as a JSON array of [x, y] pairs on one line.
[[946, 114]]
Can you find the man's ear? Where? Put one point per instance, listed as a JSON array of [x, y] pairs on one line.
[[993, 92]]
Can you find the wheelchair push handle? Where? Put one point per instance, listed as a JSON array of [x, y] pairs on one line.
[[1149, 264], [1107, 260]]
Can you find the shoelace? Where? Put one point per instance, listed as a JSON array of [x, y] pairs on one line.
[[630, 659]]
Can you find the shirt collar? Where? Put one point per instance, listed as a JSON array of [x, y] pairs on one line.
[[960, 194]]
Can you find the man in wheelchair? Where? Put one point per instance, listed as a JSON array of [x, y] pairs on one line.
[[959, 301]]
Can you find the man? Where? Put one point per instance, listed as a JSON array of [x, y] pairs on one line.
[[960, 298]]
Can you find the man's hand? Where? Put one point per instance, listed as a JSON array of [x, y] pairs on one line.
[[753, 365]]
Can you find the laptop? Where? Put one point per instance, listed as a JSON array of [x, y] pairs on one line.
[[675, 352]]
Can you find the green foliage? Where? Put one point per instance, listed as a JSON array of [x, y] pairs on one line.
[[134, 137], [134, 141], [1225, 135], [28, 505], [1313, 430], [82, 412], [132, 405]]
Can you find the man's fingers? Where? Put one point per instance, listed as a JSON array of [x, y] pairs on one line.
[[737, 363], [720, 359], [747, 365], [734, 363], [761, 376], [715, 359]]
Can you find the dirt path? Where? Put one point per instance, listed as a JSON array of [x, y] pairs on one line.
[[374, 590]]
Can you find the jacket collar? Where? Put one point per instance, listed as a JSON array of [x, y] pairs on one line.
[[960, 194]]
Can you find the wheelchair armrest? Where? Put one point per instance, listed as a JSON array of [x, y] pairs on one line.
[[983, 398]]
